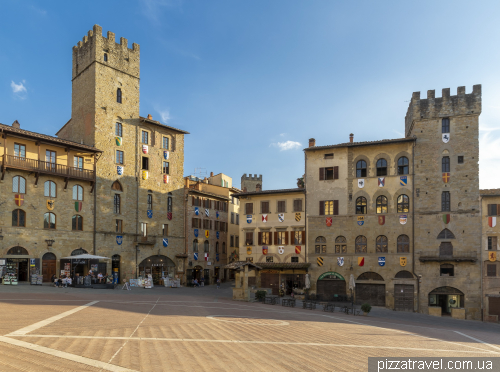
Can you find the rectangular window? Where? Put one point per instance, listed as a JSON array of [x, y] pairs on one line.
[[165, 229], [236, 241], [264, 207], [118, 130], [460, 159], [150, 201], [445, 201], [493, 209], [295, 259], [329, 173], [165, 143], [78, 162], [50, 160], [282, 206], [329, 207], [269, 258], [119, 157], [297, 205], [232, 218], [237, 218], [19, 150], [282, 238], [445, 164], [249, 208], [446, 125], [492, 243], [145, 163], [231, 241], [144, 229], [119, 226], [491, 270], [264, 238], [217, 226], [297, 237], [249, 238], [145, 137], [328, 156], [166, 169], [117, 204]]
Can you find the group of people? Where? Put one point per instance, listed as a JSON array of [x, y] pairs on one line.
[[62, 281], [66, 280], [201, 283]]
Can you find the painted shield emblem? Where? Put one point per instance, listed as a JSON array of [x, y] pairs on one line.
[[195, 256], [19, 200], [207, 212], [196, 211], [361, 183], [402, 261], [265, 249], [340, 261], [119, 170], [165, 242], [206, 256], [381, 220], [297, 216], [264, 218], [446, 177], [297, 249], [446, 137], [145, 149], [249, 250], [381, 181], [329, 221], [281, 250], [196, 233], [144, 174], [381, 261], [281, 217], [50, 205], [319, 261], [361, 261], [361, 220], [150, 213], [119, 239], [492, 256], [78, 206], [169, 215], [207, 234], [166, 178], [446, 218], [217, 235], [492, 221], [403, 180], [118, 141], [403, 219], [249, 218], [166, 155], [217, 214]]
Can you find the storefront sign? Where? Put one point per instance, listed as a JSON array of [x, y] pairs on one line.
[[331, 275]]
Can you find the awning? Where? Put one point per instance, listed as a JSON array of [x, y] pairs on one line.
[[85, 257]]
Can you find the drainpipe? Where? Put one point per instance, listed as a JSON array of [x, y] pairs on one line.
[[413, 226], [480, 256], [95, 204], [137, 173]]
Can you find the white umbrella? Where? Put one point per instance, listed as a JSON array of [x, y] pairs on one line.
[[308, 282], [85, 257], [352, 284]]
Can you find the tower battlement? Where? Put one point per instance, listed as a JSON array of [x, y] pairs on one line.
[[96, 48], [444, 106], [251, 183], [251, 178]]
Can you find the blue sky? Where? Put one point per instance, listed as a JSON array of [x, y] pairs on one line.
[[254, 80]]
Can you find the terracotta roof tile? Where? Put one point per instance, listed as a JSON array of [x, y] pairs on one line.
[[151, 121], [265, 192], [489, 192], [365, 143]]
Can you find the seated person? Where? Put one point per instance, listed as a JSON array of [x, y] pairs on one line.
[[100, 277]]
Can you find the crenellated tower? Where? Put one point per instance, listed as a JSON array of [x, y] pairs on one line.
[[251, 183]]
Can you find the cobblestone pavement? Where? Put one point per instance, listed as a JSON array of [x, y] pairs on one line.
[[202, 329]]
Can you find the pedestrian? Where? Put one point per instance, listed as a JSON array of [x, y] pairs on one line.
[[202, 280], [54, 280], [64, 281], [196, 283], [218, 283]]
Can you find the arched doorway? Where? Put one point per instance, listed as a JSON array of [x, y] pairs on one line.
[[372, 293], [18, 266], [158, 266], [48, 266], [330, 286], [446, 298], [79, 251], [115, 268]]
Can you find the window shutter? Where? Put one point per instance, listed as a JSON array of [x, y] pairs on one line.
[[193, 222], [260, 238], [498, 210], [192, 200], [270, 235], [276, 237], [335, 173], [321, 174], [321, 208], [286, 237], [492, 270], [303, 237], [494, 243], [335, 207]]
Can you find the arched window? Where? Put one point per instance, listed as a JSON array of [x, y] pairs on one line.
[[370, 275], [445, 125], [79, 251], [117, 186], [216, 247], [320, 245], [49, 256], [403, 244], [49, 189], [403, 274], [361, 205], [18, 185], [223, 247], [382, 243], [18, 218], [381, 167], [361, 168], [381, 204], [77, 223], [446, 234], [403, 204], [445, 164], [49, 220], [403, 167], [361, 244], [119, 95], [105, 57], [150, 201], [117, 204], [340, 244], [77, 192], [195, 245], [17, 251], [206, 246]]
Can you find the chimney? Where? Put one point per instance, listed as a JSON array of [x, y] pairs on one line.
[[16, 124], [150, 117], [211, 174], [312, 142], [351, 137]]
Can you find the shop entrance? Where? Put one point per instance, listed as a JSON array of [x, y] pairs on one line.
[[115, 268], [158, 266], [293, 281], [197, 273], [270, 280], [446, 298], [48, 266], [330, 286], [18, 267]]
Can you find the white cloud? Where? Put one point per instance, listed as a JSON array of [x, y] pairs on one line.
[[288, 145], [165, 115], [19, 89], [152, 9], [282, 134]]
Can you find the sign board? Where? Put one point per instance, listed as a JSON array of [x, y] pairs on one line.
[[331, 275], [209, 263]]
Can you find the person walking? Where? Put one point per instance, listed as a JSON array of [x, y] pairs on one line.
[[202, 280], [218, 283], [54, 280]]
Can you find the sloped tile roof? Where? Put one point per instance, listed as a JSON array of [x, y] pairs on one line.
[[365, 143]]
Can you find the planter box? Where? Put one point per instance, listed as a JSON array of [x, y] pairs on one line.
[[458, 313], [435, 310]]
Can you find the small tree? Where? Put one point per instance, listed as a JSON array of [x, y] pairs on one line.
[[260, 295], [366, 308]]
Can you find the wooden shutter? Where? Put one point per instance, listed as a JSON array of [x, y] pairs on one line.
[[270, 235], [498, 209], [286, 237], [259, 238], [494, 243], [335, 173], [303, 237], [193, 222], [276, 237], [335, 207], [491, 270], [192, 200], [321, 174], [321, 208]]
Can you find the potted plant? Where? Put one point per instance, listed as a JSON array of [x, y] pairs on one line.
[[260, 295], [366, 308]]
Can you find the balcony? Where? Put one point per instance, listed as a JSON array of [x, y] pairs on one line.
[[39, 166], [146, 240], [456, 256]]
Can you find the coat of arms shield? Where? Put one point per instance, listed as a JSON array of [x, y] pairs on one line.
[[119, 170], [265, 249], [403, 219], [446, 137], [145, 149], [381, 261], [119, 239], [340, 261], [297, 216], [329, 221], [361, 183], [381, 181], [281, 250], [249, 218], [281, 217], [165, 242], [361, 220], [402, 261], [264, 218], [50, 205], [166, 155]]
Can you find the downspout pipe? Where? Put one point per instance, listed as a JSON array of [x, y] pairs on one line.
[[413, 225]]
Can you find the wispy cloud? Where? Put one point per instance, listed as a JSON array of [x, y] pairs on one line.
[[282, 134], [40, 11], [165, 115], [288, 145], [152, 9], [19, 90]]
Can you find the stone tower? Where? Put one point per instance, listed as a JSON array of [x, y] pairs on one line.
[[446, 198], [251, 183]]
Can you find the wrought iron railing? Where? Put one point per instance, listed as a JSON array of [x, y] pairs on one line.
[[18, 162]]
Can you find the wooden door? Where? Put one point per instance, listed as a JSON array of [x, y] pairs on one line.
[[48, 269], [373, 294], [403, 297], [268, 280]]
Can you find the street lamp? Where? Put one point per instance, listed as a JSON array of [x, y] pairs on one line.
[[49, 242]]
